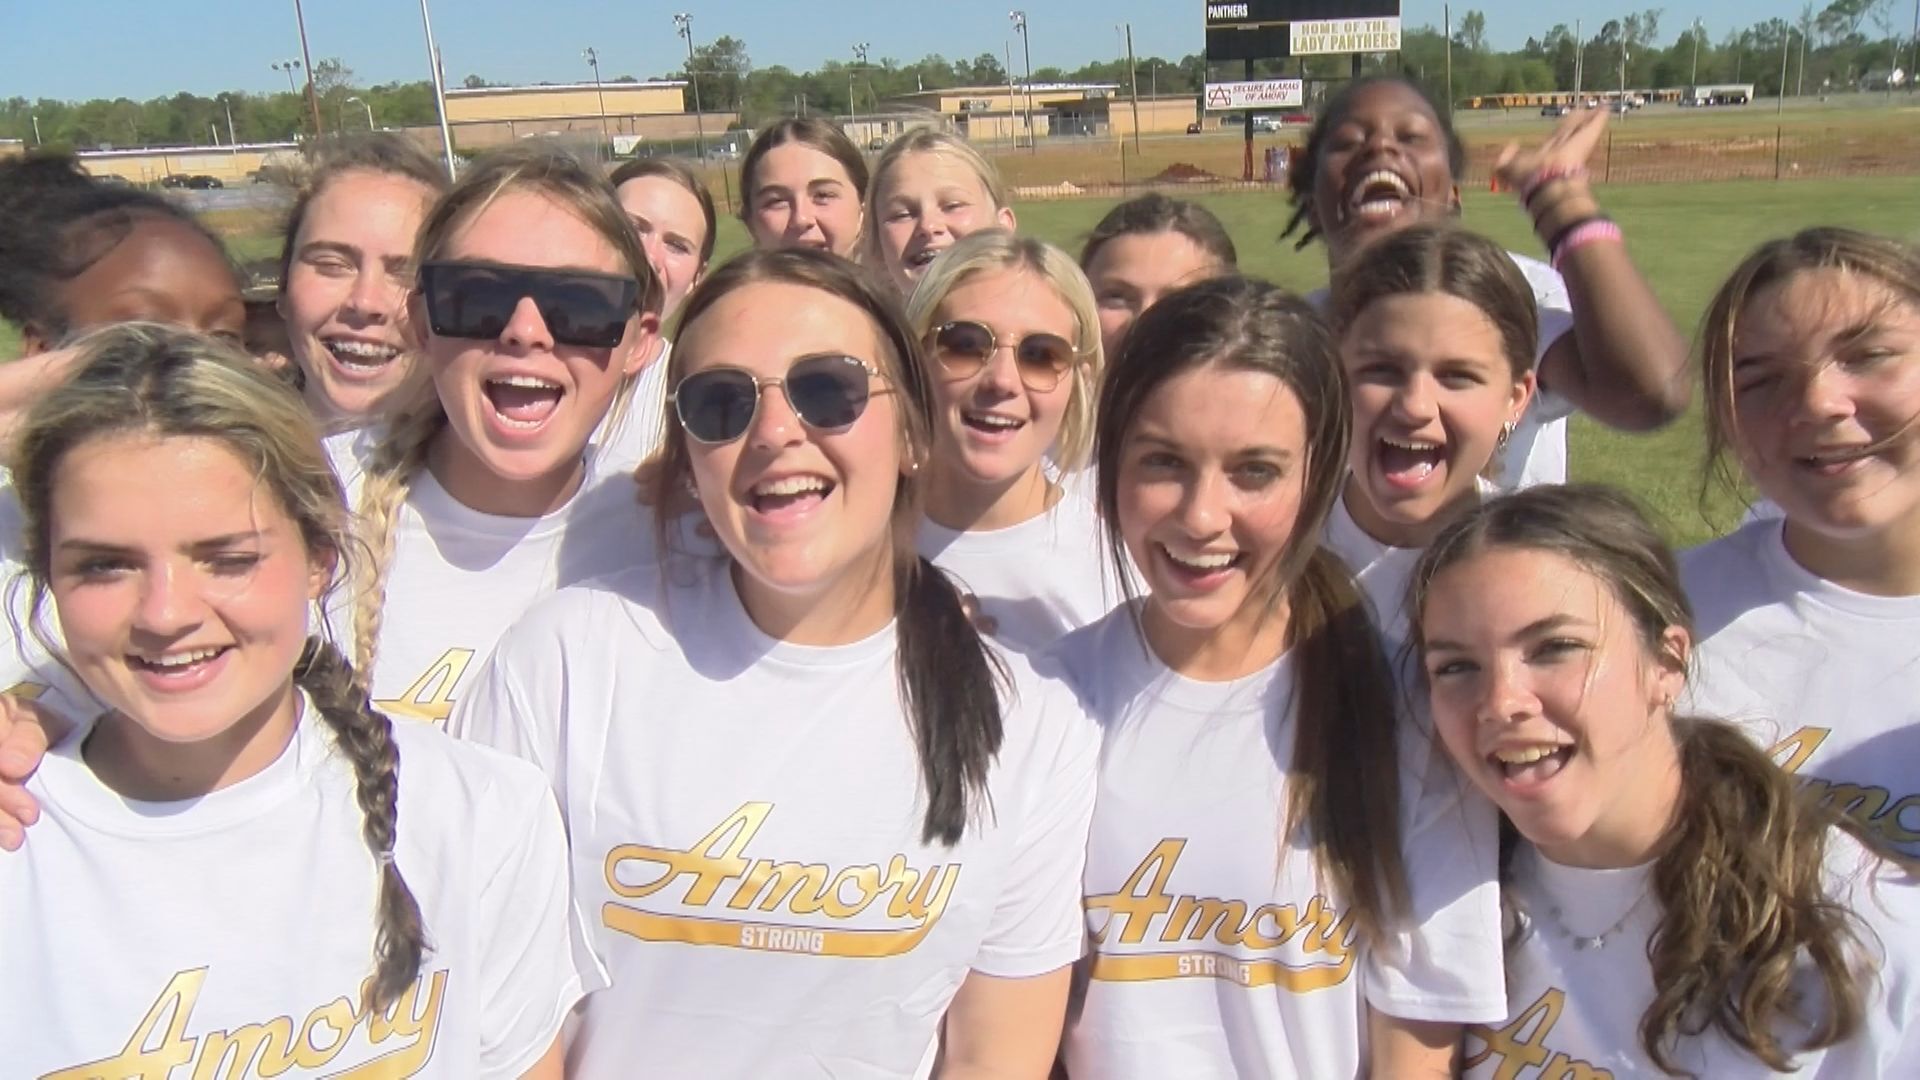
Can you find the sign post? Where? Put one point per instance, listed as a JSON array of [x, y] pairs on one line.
[[1249, 30]]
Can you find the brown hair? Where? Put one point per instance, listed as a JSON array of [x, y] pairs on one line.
[[682, 174], [1156, 213], [543, 169], [1740, 877], [382, 153], [1441, 257], [1345, 705], [1892, 263], [950, 682], [998, 249], [821, 135], [140, 379]]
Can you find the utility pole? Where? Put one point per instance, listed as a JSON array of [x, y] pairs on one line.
[[1026, 49], [226, 102], [37, 140], [592, 58], [439, 91], [351, 101], [1579, 60], [1013, 98], [313, 99], [1446, 14], [1133, 78], [1694, 80], [1786, 45], [683, 24], [853, 102]]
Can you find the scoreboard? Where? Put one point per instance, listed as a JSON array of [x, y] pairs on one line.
[[1271, 29]]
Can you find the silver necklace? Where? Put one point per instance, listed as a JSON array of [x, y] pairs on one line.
[[1586, 942]]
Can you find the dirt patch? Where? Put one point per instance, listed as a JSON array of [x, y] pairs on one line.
[[1182, 173]]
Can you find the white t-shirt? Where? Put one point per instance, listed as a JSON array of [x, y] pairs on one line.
[[627, 438], [1826, 678], [1536, 453], [1576, 1011], [1037, 580], [745, 816], [142, 939], [459, 578], [1217, 951]]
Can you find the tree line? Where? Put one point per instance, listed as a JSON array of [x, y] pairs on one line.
[[1833, 48]]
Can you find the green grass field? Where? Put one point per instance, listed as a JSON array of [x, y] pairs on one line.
[[1686, 237]]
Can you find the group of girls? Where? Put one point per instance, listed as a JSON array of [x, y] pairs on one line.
[[968, 664]]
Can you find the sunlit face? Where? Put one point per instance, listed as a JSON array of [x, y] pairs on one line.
[[161, 271], [1131, 273], [995, 429], [672, 228], [1432, 387], [521, 407], [926, 202], [1549, 700], [1212, 473], [345, 297], [184, 605], [1383, 167], [802, 197], [802, 511], [1826, 383]]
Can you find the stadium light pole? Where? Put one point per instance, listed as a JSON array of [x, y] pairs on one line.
[[288, 66], [683, 25], [1694, 79], [1026, 50], [362, 103], [306, 57], [859, 61], [37, 140], [439, 90], [592, 57], [1786, 46]]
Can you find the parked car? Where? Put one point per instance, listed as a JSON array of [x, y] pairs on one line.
[[1193, 128], [174, 180], [1621, 108], [1266, 123], [202, 182], [1555, 110]]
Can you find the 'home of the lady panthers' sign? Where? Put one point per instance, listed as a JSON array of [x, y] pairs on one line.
[[1269, 29]]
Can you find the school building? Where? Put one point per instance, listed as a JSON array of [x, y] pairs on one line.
[[1001, 113], [636, 111]]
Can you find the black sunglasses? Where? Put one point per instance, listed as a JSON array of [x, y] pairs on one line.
[[827, 393], [476, 300], [964, 347]]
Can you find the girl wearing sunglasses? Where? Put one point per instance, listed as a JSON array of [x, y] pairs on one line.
[[1673, 906], [238, 843], [1282, 879], [536, 306], [820, 826], [930, 189], [1012, 350], [804, 184]]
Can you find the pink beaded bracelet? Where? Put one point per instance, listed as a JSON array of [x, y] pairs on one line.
[[1548, 175], [1583, 234]]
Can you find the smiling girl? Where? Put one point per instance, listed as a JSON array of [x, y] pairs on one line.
[[536, 305], [817, 820], [1281, 879], [929, 190], [238, 843], [1013, 354], [1380, 158], [346, 271], [1810, 622], [1145, 248], [1673, 906], [1436, 332], [804, 184]]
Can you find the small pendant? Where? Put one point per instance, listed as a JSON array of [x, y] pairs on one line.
[[1585, 943]]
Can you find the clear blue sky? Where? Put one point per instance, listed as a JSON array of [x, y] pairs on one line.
[[77, 49]]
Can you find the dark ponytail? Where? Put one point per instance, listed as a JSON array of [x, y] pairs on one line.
[[952, 686], [366, 738]]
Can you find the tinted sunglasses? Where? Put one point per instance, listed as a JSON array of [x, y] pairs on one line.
[[827, 393], [476, 300], [964, 347]]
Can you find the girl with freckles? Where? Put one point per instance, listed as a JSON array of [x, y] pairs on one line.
[[1282, 879], [1673, 906], [1810, 620]]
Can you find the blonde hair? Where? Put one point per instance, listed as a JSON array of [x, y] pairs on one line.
[[926, 140], [145, 380], [540, 168], [999, 250]]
